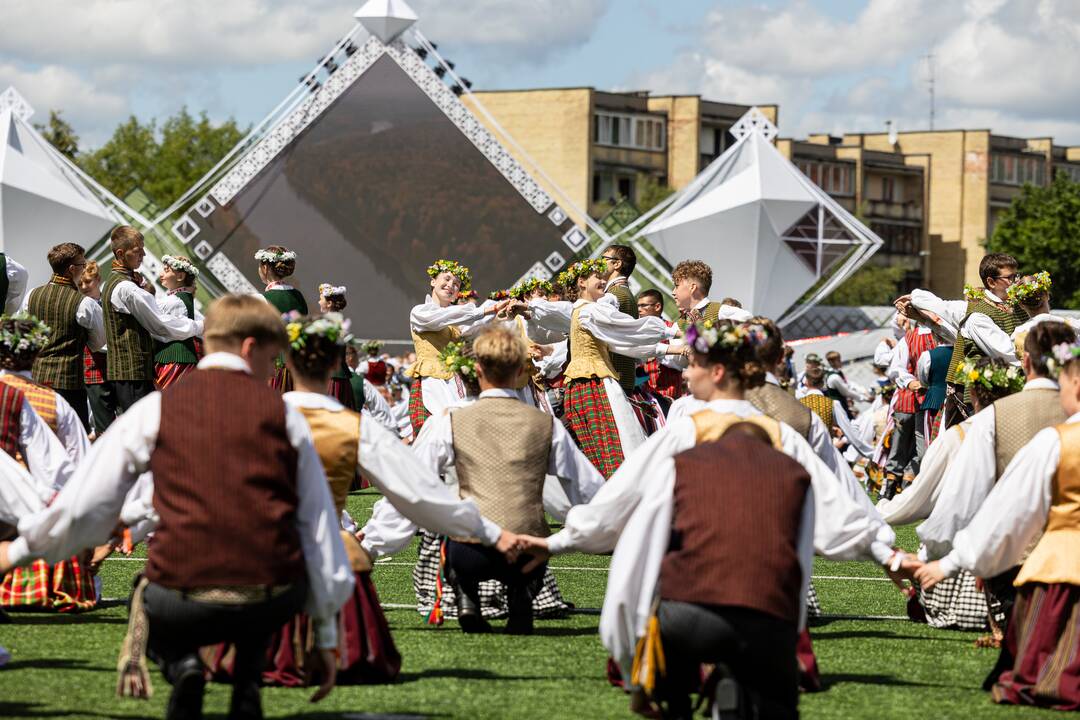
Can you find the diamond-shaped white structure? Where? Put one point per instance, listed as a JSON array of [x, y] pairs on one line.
[[11, 100], [767, 231], [386, 19]]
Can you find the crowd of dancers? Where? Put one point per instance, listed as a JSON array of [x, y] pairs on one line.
[[690, 451]]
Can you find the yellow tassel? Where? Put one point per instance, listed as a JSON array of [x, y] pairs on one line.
[[133, 674], [649, 659]]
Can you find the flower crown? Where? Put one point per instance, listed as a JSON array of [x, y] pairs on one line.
[[469, 294], [327, 290], [705, 336], [972, 293], [1039, 283], [567, 278], [180, 264], [273, 256], [22, 333], [332, 326], [498, 295], [995, 375], [454, 268], [1060, 356], [371, 345], [457, 359]]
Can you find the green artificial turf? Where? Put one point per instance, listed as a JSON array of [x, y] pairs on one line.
[[64, 666]]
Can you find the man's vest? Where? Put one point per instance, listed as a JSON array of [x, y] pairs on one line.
[[60, 363]]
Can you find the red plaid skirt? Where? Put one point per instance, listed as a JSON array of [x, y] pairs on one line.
[[66, 586], [1044, 638], [592, 425], [418, 414], [168, 373]]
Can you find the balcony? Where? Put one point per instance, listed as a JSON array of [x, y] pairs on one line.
[[885, 210]]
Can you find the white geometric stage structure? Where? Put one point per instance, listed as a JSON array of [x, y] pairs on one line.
[[768, 232], [43, 199], [386, 19]]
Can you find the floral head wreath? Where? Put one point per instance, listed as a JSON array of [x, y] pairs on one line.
[[273, 256], [972, 293], [370, 346], [706, 335], [327, 290], [995, 375], [1060, 356], [469, 294], [180, 264], [567, 278], [454, 268], [332, 326], [1039, 283], [499, 295], [23, 333], [457, 359]]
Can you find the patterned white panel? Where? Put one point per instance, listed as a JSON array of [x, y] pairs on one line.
[[230, 276], [434, 87], [537, 271], [557, 216], [203, 250], [185, 230], [575, 239], [205, 206], [292, 125], [753, 120], [10, 99], [554, 261]]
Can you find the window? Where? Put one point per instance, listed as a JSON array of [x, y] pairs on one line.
[[608, 186], [1018, 169], [833, 178], [640, 132], [888, 188], [899, 239]]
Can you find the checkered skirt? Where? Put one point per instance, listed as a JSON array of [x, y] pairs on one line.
[[418, 414], [592, 425], [547, 603], [956, 603], [67, 586]]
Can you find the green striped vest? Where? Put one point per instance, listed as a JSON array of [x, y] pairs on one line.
[[965, 349], [712, 312], [287, 300], [131, 349], [60, 363], [3, 280], [179, 351], [624, 366]]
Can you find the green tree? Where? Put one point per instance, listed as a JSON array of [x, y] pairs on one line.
[[870, 285], [60, 134], [1041, 229], [162, 162]]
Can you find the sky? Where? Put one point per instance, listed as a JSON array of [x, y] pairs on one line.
[[832, 65]]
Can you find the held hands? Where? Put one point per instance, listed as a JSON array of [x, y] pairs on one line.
[[507, 544], [930, 574], [535, 547], [901, 567]]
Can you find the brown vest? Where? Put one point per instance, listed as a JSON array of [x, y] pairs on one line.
[[224, 486], [1018, 418], [501, 449], [750, 559], [780, 405]]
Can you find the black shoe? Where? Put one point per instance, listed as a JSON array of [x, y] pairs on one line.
[[245, 703], [891, 484], [187, 679], [469, 616], [519, 601]]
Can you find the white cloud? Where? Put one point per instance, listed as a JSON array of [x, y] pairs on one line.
[[52, 87]]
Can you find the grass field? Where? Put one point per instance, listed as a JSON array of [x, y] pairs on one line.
[[873, 665]]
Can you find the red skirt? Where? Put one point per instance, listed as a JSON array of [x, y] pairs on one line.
[[341, 390], [418, 414], [366, 650], [67, 586], [168, 373], [592, 425], [1044, 637]]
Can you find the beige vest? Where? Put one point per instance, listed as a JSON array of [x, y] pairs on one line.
[[1018, 418], [588, 356], [780, 405], [336, 436], [428, 345], [711, 425], [1055, 559], [501, 449]]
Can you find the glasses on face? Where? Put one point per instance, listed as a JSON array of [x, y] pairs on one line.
[[1008, 278], [609, 258], [643, 306]]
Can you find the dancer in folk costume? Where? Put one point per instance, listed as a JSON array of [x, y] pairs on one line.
[[68, 585], [596, 409], [373, 368], [76, 323], [98, 392], [434, 324], [276, 263], [1030, 519], [133, 320], [20, 496], [13, 280], [908, 442], [665, 377], [632, 513], [620, 261], [176, 358], [332, 299], [957, 602], [232, 559]]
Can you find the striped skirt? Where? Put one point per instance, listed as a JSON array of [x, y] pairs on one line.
[[341, 390], [1044, 637], [67, 586], [168, 373], [282, 380], [592, 425], [418, 414]]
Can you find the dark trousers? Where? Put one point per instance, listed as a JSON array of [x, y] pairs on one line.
[[903, 446], [179, 626], [128, 392], [102, 405], [757, 648], [1001, 587], [472, 563], [77, 399]]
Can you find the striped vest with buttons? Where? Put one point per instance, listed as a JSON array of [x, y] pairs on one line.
[[60, 363]]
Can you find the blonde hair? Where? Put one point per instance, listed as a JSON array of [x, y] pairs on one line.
[[501, 352], [232, 318], [123, 237], [693, 270], [92, 270]]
